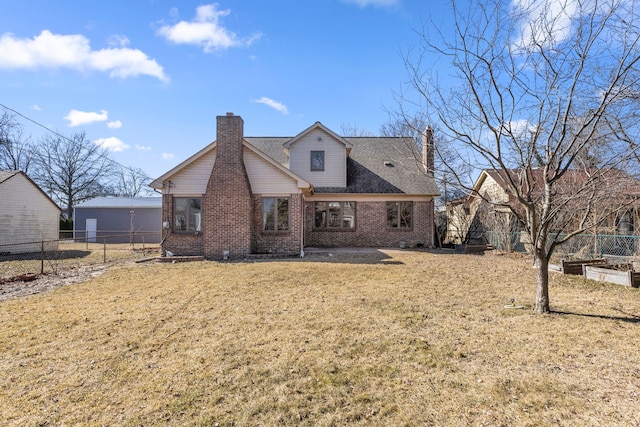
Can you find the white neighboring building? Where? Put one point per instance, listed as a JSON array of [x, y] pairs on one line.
[[28, 216]]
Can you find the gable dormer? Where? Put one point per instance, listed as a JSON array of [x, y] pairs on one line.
[[319, 155]]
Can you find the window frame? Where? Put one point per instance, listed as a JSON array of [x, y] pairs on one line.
[[313, 167], [342, 217], [398, 210], [197, 228], [275, 213]]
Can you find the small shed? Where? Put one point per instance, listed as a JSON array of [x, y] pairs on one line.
[[29, 219], [118, 220]]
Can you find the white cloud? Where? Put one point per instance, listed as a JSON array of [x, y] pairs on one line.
[[273, 104], [167, 156], [545, 22], [36, 107], [142, 148], [118, 40], [365, 3], [48, 50], [78, 118], [518, 128], [117, 124], [113, 144], [205, 30]]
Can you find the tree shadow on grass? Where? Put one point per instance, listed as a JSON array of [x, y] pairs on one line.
[[631, 318]]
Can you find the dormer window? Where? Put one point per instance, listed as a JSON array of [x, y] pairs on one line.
[[317, 160]]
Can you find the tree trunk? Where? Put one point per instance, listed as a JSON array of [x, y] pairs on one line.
[[542, 287], [69, 207]]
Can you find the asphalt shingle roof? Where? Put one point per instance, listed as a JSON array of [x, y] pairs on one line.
[[375, 165]]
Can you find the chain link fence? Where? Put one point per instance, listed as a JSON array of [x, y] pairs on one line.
[[23, 260], [583, 246]]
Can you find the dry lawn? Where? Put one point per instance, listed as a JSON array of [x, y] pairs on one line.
[[393, 338]]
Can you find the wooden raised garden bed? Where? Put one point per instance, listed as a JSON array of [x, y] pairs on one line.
[[473, 249], [575, 267], [611, 275]]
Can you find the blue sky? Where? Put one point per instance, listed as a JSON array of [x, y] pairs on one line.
[[148, 77]]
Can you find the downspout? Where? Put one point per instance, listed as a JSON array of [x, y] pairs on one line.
[[304, 207]]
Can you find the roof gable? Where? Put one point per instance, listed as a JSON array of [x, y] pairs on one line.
[[300, 181], [619, 183], [5, 176], [183, 166], [318, 126], [375, 165], [157, 183]]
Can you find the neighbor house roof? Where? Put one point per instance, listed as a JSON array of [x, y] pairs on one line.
[[6, 175], [610, 184], [121, 202]]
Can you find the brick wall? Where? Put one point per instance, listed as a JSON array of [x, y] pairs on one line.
[[227, 217], [278, 242], [371, 228], [178, 243]]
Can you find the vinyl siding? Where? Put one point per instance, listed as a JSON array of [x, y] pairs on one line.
[[335, 159], [265, 178], [26, 215], [193, 179]]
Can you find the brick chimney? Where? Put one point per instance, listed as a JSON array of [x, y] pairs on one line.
[[227, 204], [427, 151]]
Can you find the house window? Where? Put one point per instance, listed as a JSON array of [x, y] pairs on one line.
[[624, 223], [317, 160], [275, 214], [335, 215], [187, 212], [399, 214]]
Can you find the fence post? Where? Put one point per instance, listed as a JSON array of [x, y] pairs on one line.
[[600, 245], [104, 250], [42, 257]]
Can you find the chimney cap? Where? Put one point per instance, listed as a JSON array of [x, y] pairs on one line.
[[229, 114]]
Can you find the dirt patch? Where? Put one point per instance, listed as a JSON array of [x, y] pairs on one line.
[[46, 282]]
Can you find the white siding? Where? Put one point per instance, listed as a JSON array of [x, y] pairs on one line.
[[335, 159], [26, 215], [194, 178], [266, 178]]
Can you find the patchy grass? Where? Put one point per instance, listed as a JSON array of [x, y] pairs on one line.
[[393, 338], [71, 255]]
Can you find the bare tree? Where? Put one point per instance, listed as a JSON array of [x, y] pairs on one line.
[[404, 125], [16, 153], [72, 169], [544, 92], [348, 129], [131, 182]]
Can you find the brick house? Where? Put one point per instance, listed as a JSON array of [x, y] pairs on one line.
[[277, 195]]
